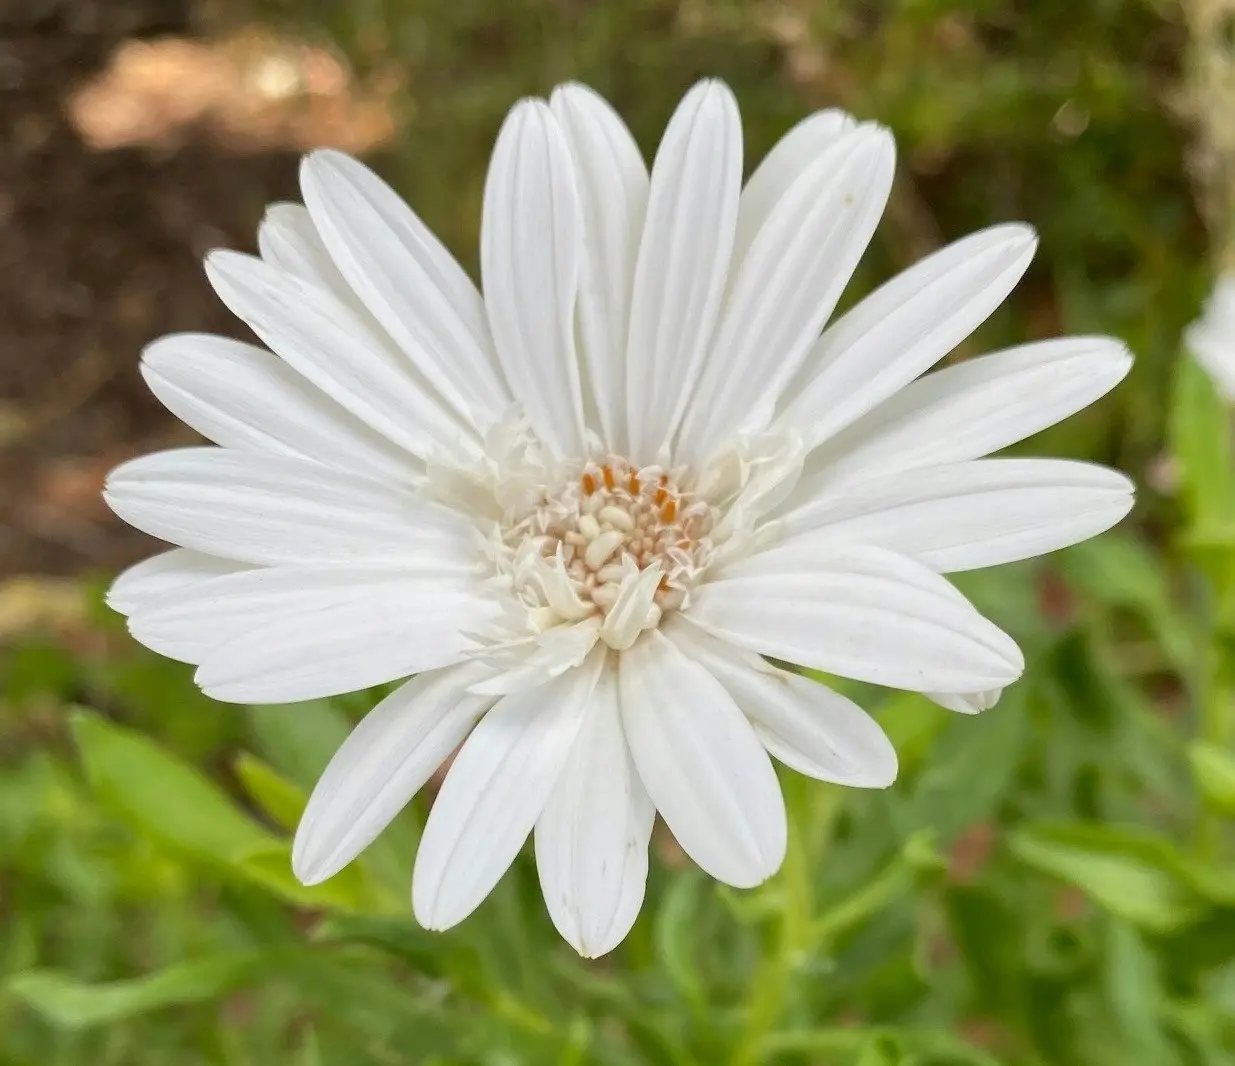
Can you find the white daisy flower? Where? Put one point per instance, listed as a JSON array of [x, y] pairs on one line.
[[1211, 338], [582, 508]]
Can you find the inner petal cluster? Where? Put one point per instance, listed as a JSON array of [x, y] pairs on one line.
[[625, 542]]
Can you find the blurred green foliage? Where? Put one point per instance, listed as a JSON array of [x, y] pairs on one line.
[[1049, 884]]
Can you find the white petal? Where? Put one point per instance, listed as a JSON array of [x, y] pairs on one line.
[[245, 398], [789, 282], [968, 515], [287, 239], [972, 409], [382, 765], [408, 281], [279, 511], [279, 636], [531, 253], [613, 190], [551, 653], [683, 262], [904, 328], [804, 724], [966, 702], [701, 763], [1212, 345], [160, 575], [859, 612], [494, 793], [199, 618], [339, 350], [628, 616], [592, 837], [781, 167]]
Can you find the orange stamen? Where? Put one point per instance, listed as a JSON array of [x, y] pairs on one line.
[[632, 485], [589, 484], [669, 512], [606, 472]]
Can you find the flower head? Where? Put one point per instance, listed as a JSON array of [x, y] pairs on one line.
[[583, 508], [1211, 338]]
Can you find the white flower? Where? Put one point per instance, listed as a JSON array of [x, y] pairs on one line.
[[1211, 338], [582, 508]]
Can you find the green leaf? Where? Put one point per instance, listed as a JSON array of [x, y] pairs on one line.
[[1200, 441], [842, 1044], [1119, 570], [299, 739], [881, 1050], [885, 889], [1134, 875], [349, 891], [969, 770], [1135, 993], [161, 796], [913, 724], [72, 1004], [675, 936], [281, 800], [1214, 770], [1058, 950], [174, 804]]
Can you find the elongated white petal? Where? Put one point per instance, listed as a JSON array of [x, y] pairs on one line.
[[163, 574], [494, 793], [287, 239], [781, 167], [613, 190], [382, 765], [281, 511], [972, 409], [408, 281], [859, 612], [339, 350], [683, 263], [531, 255], [300, 635], [701, 763], [789, 281], [804, 724], [968, 515], [592, 837], [209, 613], [904, 328], [966, 702], [245, 398]]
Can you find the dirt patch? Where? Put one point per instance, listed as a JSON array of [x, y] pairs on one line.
[[100, 252]]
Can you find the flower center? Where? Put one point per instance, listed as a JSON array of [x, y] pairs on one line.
[[600, 549], [624, 543]]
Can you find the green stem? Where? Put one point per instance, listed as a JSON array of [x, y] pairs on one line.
[[771, 985], [1216, 699]]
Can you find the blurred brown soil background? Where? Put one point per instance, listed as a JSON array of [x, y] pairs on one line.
[[129, 147]]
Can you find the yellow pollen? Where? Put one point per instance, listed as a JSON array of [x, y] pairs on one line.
[[615, 520]]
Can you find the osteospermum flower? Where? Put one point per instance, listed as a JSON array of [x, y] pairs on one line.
[[1211, 338], [582, 508]]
